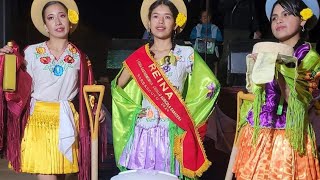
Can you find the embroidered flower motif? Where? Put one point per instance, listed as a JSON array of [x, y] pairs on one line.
[[191, 57], [178, 51], [306, 14], [40, 50], [178, 58], [181, 19], [68, 59], [210, 90], [59, 66], [312, 86], [73, 16], [142, 113], [149, 114], [313, 79], [308, 76], [166, 68], [72, 49], [45, 60], [58, 70]]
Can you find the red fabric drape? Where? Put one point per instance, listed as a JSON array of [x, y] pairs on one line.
[[14, 110]]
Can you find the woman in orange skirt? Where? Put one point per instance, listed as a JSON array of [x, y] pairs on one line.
[[277, 140]]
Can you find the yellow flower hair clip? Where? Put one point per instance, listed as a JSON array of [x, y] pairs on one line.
[[306, 14], [181, 19], [73, 16]]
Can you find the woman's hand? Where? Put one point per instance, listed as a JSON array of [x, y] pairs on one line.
[[6, 50], [254, 56]]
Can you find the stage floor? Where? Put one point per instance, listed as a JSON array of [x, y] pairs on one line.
[[108, 169]]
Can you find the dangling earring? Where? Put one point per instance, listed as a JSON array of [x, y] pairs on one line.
[[173, 39], [149, 36], [302, 29], [174, 33]]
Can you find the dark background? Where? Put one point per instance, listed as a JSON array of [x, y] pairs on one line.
[[101, 21]]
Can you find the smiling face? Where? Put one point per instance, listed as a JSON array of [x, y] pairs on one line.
[[285, 26], [162, 22], [56, 21]]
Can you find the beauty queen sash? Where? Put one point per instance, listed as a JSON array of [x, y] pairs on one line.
[[158, 89]]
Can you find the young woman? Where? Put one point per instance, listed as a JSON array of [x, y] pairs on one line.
[[162, 98], [58, 71], [277, 140]]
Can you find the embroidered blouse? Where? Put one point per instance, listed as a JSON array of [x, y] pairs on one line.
[[54, 78]]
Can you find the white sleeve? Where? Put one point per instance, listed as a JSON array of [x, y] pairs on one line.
[[28, 61], [190, 59]]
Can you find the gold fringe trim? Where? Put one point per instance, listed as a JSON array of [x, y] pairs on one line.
[[178, 152], [192, 174]]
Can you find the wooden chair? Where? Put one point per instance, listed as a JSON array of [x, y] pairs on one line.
[[241, 96]]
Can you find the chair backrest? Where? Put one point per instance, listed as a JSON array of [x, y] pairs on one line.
[[241, 96]]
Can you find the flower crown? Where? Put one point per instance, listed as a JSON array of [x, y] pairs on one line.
[[73, 16], [181, 19], [306, 14]]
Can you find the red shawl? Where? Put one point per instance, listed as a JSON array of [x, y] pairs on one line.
[[87, 78], [14, 110]]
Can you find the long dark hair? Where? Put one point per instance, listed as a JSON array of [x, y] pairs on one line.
[[174, 12], [49, 4]]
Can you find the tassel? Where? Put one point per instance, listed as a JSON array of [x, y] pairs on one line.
[[296, 122], [85, 158], [103, 143], [15, 130], [258, 91], [2, 120], [16, 105], [2, 106], [313, 141], [13, 136]]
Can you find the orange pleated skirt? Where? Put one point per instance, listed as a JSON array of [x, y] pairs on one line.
[[273, 158]]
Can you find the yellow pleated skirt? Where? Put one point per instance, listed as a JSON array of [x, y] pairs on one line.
[[273, 157], [39, 146]]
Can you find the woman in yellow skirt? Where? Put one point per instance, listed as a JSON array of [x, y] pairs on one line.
[[277, 139], [56, 138]]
